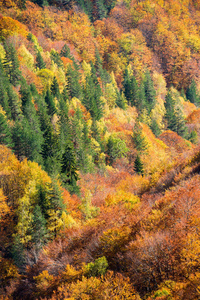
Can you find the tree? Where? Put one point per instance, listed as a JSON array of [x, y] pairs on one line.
[[40, 64], [138, 165], [5, 132], [11, 64], [50, 103], [69, 170], [150, 92], [92, 95], [192, 93], [139, 139]]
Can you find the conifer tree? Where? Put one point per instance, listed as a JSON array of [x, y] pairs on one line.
[[38, 231], [150, 92], [14, 102], [3, 93], [55, 88], [11, 64], [69, 170], [192, 93], [5, 132], [127, 86], [40, 64], [92, 95], [138, 139], [73, 85], [138, 165], [50, 103]]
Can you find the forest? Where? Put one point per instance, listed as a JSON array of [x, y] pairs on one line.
[[100, 150]]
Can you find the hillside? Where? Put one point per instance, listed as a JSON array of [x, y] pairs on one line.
[[99, 149]]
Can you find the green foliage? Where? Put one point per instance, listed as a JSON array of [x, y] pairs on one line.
[[138, 165], [18, 253], [139, 139], [174, 115], [92, 95], [5, 132], [11, 64], [97, 268], [69, 170], [40, 64], [116, 148], [192, 93]]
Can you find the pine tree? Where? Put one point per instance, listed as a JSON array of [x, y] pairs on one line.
[[69, 170], [138, 139], [101, 9], [73, 84], [50, 103], [150, 92], [38, 231], [138, 165], [5, 132], [155, 128], [92, 95], [55, 88], [18, 253], [40, 64], [11, 65], [65, 52], [14, 102], [3, 93], [127, 86], [192, 93]]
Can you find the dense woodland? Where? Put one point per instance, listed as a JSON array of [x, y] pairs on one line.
[[99, 149]]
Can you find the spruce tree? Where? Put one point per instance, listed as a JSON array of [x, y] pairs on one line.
[[11, 64], [192, 93], [138, 165], [5, 132], [69, 170], [38, 231], [74, 87], [55, 88], [40, 64], [138, 139], [150, 92], [50, 103], [92, 95]]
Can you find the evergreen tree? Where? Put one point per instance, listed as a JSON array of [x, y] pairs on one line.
[[138, 139], [14, 102], [38, 231], [73, 84], [11, 64], [174, 116], [65, 52], [5, 132], [138, 165], [56, 58], [18, 253], [142, 98], [150, 92], [50, 103], [134, 92], [192, 93], [92, 95], [155, 128], [55, 88], [3, 93], [121, 101], [101, 9], [40, 64], [69, 170], [127, 86]]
